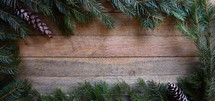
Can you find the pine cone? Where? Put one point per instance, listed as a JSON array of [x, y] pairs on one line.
[[34, 20], [176, 93]]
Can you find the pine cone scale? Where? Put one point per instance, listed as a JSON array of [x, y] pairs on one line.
[[176, 93], [34, 20]]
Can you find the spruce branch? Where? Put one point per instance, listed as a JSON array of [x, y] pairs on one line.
[[63, 8], [98, 10], [9, 58], [6, 55], [10, 3], [193, 85], [199, 30], [150, 91], [147, 13], [125, 6], [14, 22], [171, 8], [60, 96], [70, 24], [70, 13], [38, 6], [6, 34], [12, 91], [74, 10], [81, 15]]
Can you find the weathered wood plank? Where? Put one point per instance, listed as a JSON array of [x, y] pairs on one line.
[[48, 84], [96, 67], [107, 46], [212, 1], [124, 26], [130, 29]]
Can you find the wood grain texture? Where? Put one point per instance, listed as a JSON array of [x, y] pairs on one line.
[[49, 84], [107, 46], [102, 67], [96, 53]]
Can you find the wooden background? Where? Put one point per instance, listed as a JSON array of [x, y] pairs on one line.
[[96, 53]]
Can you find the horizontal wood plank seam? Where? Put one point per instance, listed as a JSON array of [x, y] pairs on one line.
[[114, 35], [165, 36], [108, 57], [125, 76]]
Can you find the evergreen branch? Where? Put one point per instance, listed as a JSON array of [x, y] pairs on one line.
[[185, 30], [60, 96], [211, 90], [6, 34], [13, 22], [124, 6], [9, 70], [70, 23], [170, 8], [8, 52], [71, 2], [148, 14], [63, 8], [88, 91], [75, 95], [81, 15], [10, 3], [71, 13], [150, 91], [12, 91], [9, 58], [98, 10], [107, 96], [38, 6], [192, 85], [75, 11], [200, 28]]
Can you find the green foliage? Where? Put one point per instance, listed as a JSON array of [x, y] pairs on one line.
[[38, 6], [198, 29], [60, 96], [30, 94], [7, 16], [12, 91], [125, 6], [195, 19], [89, 92], [121, 91], [9, 59], [66, 12], [102, 91], [98, 10], [150, 12], [150, 91], [8, 35], [193, 86], [170, 7]]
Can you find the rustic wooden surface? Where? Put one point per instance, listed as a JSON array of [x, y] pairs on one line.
[[49, 73], [96, 53], [107, 46], [75, 67]]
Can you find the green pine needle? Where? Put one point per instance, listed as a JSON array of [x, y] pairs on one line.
[[12, 91], [98, 10]]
